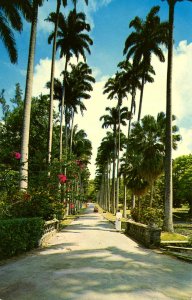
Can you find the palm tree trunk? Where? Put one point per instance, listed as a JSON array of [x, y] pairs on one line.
[[132, 104], [141, 97], [125, 200], [133, 200], [71, 135], [62, 114], [118, 150], [108, 186], [139, 208], [168, 219], [114, 168], [23, 184], [50, 130]]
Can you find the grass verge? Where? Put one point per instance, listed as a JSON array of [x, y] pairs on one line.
[[69, 219], [167, 236]]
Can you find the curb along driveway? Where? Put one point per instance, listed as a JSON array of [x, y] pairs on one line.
[[89, 260]]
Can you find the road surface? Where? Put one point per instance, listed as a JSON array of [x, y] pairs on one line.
[[89, 260]]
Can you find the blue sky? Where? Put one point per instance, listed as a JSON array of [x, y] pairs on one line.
[[109, 20]]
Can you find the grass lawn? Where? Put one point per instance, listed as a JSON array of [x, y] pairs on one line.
[[167, 236], [69, 219], [109, 216]]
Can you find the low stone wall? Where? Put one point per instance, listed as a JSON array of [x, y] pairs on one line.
[[50, 229], [149, 236]]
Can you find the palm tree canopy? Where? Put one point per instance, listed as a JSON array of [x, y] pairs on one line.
[[112, 119], [78, 86], [71, 38], [147, 38], [81, 145], [148, 138], [11, 13], [115, 88]]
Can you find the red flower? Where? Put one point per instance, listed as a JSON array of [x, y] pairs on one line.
[[17, 155], [62, 178]]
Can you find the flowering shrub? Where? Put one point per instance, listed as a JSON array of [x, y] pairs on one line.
[[17, 155], [62, 178]]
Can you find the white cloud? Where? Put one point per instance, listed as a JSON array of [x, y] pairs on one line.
[[185, 145], [154, 98], [50, 6]]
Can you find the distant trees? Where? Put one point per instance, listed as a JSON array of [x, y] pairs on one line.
[[182, 181]]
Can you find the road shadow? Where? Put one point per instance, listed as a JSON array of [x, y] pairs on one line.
[[74, 274]]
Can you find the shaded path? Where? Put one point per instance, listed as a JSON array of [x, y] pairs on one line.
[[89, 260]]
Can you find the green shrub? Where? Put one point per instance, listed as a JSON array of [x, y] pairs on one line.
[[148, 216], [36, 203], [19, 235]]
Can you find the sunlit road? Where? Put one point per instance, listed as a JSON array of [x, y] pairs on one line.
[[89, 260]]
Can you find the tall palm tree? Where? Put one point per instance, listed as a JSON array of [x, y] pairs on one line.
[[116, 88], [146, 40], [113, 120], [11, 13], [147, 139], [78, 87], [168, 221], [131, 78], [81, 146], [71, 39], [28, 97], [56, 22]]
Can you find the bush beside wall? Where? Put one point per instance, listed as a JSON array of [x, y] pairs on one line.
[[19, 235]]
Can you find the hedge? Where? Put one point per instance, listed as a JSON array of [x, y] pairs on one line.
[[19, 235]]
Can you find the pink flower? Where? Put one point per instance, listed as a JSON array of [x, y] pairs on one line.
[[17, 155], [62, 178]]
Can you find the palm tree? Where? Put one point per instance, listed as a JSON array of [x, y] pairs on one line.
[[71, 40], [168, 221], [27, 99], [81, 145], [147, 142], [56, 22], [146, 40], [130, 78], [50, 129], [10, 19], [113, 120], [78, 87], [116, 88]]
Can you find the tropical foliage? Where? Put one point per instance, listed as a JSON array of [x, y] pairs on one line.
[[42, 149]]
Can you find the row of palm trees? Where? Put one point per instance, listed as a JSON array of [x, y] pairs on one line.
[[146, 40], [70, 37]]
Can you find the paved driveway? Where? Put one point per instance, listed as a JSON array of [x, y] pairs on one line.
[[89, 260]]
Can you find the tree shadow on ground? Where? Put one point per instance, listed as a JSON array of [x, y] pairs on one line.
[[80, 274]]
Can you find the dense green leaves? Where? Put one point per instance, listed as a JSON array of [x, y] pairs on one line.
[[19, 235]]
